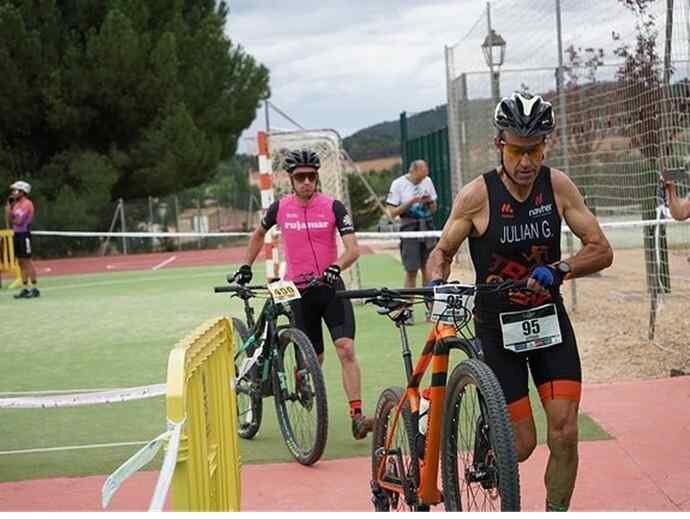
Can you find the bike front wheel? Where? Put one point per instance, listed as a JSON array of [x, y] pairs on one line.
[[395, 468], [299, 393], [478, 456], [249, 402]]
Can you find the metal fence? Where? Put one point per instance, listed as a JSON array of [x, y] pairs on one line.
[[433, 148]]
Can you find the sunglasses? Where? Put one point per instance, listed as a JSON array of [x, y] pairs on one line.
[[534, 153], [301, 177]]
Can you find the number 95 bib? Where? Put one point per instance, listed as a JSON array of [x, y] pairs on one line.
[[533, 329]]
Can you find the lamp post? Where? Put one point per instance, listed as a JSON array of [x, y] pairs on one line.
[[494, 49]]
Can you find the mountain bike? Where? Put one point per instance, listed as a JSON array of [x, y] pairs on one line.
[[466, 426], [278, 360]]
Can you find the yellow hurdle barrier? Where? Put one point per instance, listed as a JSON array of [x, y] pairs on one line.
[[8, 262], [200, 392]]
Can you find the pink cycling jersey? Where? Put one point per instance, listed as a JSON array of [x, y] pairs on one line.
[[308, 233], [21, 215]]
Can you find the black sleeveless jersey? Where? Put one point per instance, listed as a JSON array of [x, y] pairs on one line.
[[520, 236]]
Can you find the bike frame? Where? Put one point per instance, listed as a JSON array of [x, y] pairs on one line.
[[441, 339], [266, 322]]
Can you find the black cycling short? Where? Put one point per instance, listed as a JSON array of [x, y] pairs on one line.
[[22, 244], [555, 370], [319, 303]]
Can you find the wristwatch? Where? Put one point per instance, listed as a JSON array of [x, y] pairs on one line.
[[564, 268]]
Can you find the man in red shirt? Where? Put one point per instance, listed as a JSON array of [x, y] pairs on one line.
[[19, 213]]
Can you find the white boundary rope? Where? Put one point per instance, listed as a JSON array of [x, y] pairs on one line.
[[80, 399], [365, 235], [142, 458], [86, 234]]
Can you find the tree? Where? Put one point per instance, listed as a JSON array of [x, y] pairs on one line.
[[229, 187], [149, 93], [365, 212]]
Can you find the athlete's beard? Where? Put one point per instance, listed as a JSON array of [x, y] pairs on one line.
[[303, 196]]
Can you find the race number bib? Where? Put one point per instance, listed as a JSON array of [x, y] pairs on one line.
[[283, 291], [449, 307], [531, 329]]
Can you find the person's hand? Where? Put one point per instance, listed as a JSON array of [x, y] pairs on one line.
[[544, 277], [670, 187], [416, 200], [426, 200], [244, 275], [332, 274], [429, 300]]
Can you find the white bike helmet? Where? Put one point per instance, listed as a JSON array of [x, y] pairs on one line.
[[22, 186]]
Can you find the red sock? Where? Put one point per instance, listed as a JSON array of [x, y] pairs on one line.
[[355, 407]]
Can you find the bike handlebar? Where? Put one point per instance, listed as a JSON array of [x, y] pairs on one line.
[[238, 288], [369, 293]]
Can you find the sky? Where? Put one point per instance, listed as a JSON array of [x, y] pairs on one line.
[[348, 64]]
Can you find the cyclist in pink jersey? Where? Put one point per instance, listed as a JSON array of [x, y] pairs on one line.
[[308, 221], [19, 213]]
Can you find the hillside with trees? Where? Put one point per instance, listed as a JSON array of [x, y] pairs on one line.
[[383, 139]]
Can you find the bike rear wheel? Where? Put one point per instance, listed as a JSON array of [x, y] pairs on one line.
[[299, 394], [400, 465], [249, 402], [478, 457]]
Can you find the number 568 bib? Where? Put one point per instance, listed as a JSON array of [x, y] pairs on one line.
[[532, 329]]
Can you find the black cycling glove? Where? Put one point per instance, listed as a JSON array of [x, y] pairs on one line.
[[332, 274], [244, 275]]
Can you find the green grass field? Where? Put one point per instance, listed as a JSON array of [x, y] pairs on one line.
[[116, 330]]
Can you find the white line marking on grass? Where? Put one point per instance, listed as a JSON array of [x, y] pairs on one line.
[[164, 263], [71, 448], [221, 280]]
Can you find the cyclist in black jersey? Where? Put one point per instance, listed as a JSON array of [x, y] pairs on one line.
[[512, 217]]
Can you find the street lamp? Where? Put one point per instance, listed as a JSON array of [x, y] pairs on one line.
[[494, 49]]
